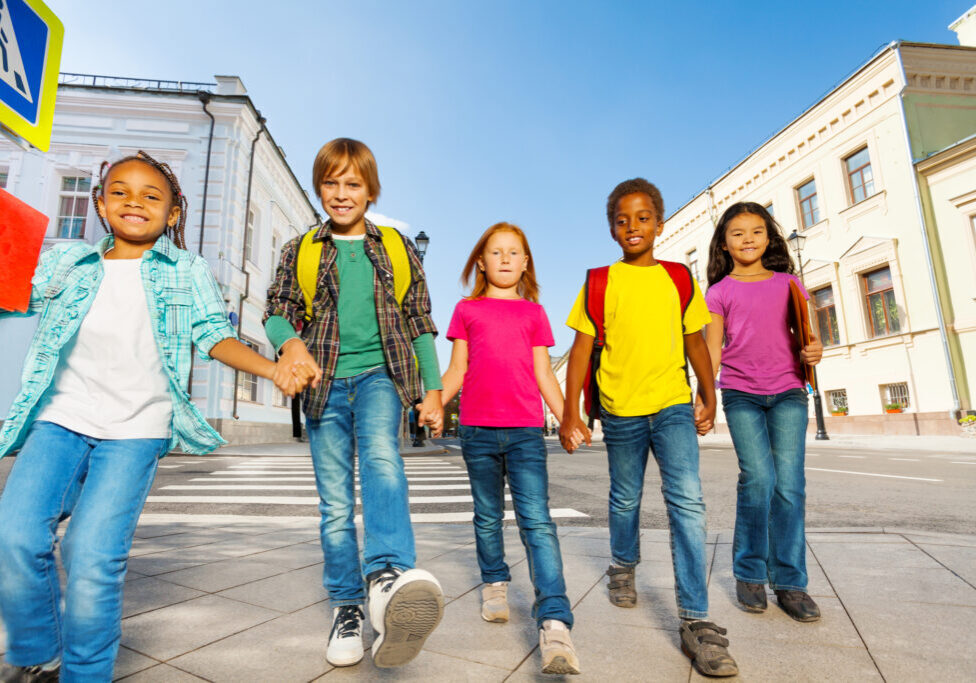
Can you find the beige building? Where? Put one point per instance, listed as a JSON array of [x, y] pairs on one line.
[[880, 177]]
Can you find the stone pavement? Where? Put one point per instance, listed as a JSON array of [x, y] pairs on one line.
[[227, 598]]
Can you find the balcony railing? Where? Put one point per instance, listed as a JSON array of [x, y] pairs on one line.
[[94, 80]]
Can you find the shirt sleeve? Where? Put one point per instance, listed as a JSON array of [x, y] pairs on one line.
[[210, 324], [696, 316], [430, 369], [47, 263], [714, 299], [285, 296], [803, 290], [542, 331], [457, 329], [416, 304], [279, 330], [578, 319]]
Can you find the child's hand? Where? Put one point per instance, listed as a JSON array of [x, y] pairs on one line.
[[812, 352], [572, 433], [297, 362], [704, 416], [286, 381], [431, 413]]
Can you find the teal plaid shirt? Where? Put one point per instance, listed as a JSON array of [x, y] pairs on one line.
[[185, 306]]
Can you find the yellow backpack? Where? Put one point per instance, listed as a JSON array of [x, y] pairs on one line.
[[310, 255]]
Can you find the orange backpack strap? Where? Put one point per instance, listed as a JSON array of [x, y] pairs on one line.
[[594, 296]]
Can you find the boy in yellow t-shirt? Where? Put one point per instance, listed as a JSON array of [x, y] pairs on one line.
[[645, 406]]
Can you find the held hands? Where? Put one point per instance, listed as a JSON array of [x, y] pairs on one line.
[[431, 413], [572, 433], [704, 416], [812, 352], [296, 369]]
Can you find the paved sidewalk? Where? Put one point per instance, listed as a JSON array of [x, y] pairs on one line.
[[227, 598], [873, 442], [293, 447]]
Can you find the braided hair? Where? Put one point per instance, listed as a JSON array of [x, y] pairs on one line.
[[175, 233]]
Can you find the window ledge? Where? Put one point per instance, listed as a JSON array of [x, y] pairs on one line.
[[865, 204]]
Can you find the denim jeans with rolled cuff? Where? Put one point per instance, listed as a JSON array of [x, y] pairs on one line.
[[768, 432], [101, 484], [491, 455], [671, 435], [362, 415]]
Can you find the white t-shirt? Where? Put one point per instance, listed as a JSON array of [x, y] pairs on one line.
[[110, 382]]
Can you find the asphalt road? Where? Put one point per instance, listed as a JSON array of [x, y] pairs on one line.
[[845, 488]]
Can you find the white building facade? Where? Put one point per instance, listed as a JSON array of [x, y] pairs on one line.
[[219, 147], [892, 293]]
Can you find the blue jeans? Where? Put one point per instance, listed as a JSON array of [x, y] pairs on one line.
[[670, 434], [768, 432], [362, 414], [491, 454], [102, 485]]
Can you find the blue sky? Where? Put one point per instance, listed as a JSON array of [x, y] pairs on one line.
[[510, 110]]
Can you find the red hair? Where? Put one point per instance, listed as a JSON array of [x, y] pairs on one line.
[[528, 288]]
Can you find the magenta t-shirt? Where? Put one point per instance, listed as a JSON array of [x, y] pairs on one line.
[[500, 388], [760, 355]]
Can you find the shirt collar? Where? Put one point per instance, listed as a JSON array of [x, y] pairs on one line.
[[325, 232], [164, 247]]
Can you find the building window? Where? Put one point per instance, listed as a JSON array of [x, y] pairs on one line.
[[691, 258], [278, 398], [3, 178], [860, 179], [274, 250], [247, 384], [806, 195], [769, 209], [880, 296], [826, 316], [252, 220], [73, 207], [895, 396], [837, 401]]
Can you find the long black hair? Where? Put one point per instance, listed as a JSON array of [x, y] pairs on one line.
[[777, 254], [174, 232]]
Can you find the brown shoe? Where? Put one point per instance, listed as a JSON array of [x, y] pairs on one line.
[[798, 604], [621, 585], [702, 641], [751, 596]]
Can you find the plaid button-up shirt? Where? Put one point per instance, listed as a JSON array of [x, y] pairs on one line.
[[184, 305], [399, 325]]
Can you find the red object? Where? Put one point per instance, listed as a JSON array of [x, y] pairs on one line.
[[595, 298], [21, 236], [800, 324]]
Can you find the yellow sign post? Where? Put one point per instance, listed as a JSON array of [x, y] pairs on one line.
[[30, 56]]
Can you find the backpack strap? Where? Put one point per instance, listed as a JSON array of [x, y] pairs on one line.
[[680, 275], [595, 300], [310, 256]]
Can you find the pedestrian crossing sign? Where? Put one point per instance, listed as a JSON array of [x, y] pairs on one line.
[[30, 55]]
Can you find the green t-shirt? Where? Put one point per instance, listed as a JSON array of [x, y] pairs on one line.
[[360, 345]]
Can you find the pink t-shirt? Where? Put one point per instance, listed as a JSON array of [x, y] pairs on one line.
[[500, 388], [760, 355]]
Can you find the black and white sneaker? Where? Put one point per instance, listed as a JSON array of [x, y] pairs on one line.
[[41, 673], [346, 638], [404, 607]]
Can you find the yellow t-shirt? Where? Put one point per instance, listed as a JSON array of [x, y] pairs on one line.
[[642, 368]]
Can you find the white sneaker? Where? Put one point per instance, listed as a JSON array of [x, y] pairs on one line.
[[346, 638], [494, 602], [404, 607], [558, 653]]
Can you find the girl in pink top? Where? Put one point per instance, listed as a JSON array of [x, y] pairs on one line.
[[501, 341], [765, 404]]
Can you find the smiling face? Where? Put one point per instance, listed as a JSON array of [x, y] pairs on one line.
[[345, 198], [503, 261], [137, 203], [635, 226], [746, 239]]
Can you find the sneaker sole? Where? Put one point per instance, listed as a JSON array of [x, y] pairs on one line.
[[694, 663], [412, 614], [754, 609], [559, 665], [495, 618], [344, 662]]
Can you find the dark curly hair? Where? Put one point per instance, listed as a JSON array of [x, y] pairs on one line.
[[630, 187], [777, 254], [174, 232]]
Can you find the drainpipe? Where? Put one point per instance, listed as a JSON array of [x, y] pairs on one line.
[[954, 413], [247, 275], [204, 99]]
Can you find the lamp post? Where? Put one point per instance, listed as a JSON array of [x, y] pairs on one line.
[[422, 241], [797, 241]]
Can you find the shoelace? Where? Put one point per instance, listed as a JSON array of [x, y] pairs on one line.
[[348, 621], [387, 579]]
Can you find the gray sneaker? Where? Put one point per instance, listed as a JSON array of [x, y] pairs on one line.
[[621, 585], [703, 642], [29, 674]]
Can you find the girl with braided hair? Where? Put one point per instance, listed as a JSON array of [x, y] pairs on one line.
[[102, 401]]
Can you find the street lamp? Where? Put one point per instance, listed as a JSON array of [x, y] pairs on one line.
[[421, 240], [797, 241]]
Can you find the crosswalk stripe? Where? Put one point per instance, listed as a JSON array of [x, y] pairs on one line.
[[297, 500], [289, 487], [436, 517], [312, 478]]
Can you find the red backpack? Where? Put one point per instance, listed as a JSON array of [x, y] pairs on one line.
[[595, 303]]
